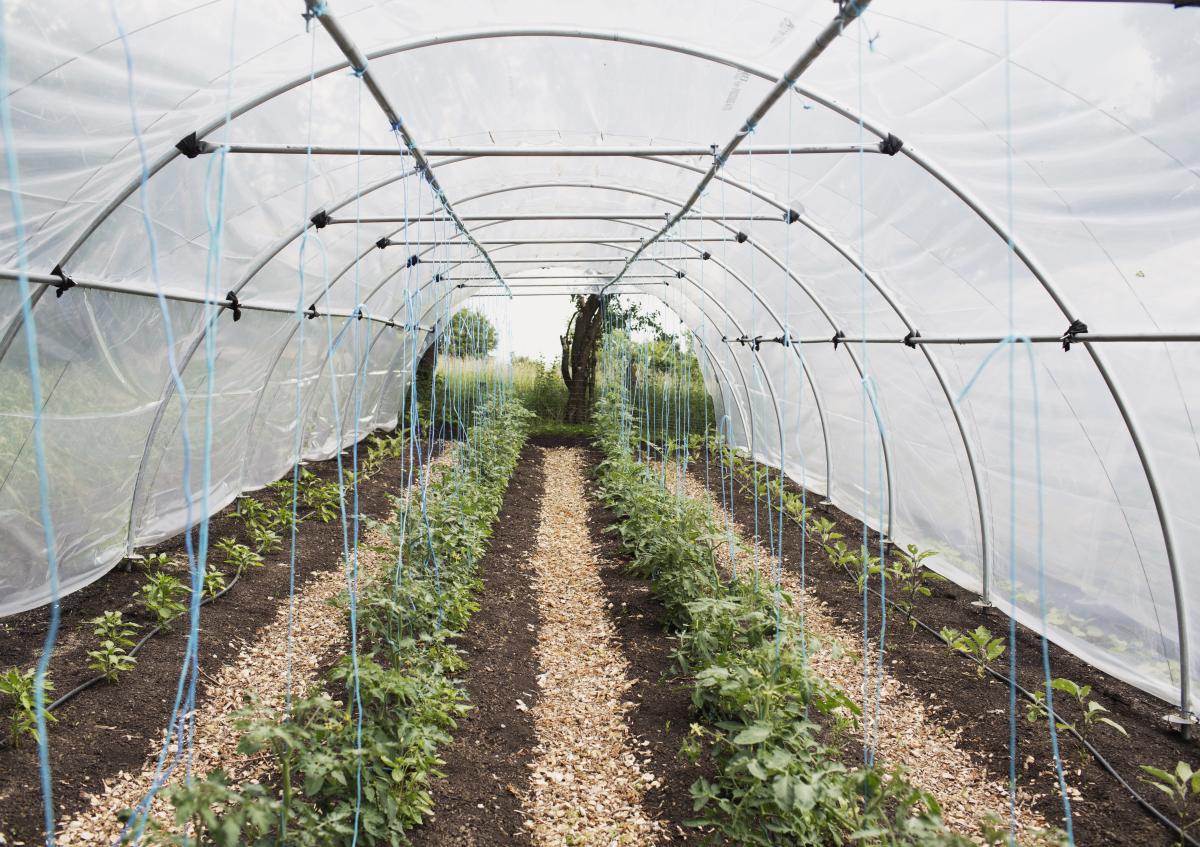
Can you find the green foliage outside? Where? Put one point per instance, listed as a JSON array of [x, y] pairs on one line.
[[470, 335]]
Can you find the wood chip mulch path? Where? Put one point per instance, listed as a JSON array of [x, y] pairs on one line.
[[588, 777], [907, 735]]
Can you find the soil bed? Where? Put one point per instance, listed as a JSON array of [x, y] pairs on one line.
[[107, 729], [663, 697], [478, 801], [1103, 812]]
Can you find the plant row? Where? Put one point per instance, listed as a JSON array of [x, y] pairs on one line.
[[763, 710], [909, 580], [356, 768]]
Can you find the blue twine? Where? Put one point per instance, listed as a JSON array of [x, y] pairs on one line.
[[1007, 343], [176, 724], [39, 446], [298, 437]]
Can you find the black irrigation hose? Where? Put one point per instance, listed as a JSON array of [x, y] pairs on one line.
[[84, 686], [1028, 695]]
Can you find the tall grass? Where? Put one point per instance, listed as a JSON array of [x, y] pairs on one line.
[[668, 401]]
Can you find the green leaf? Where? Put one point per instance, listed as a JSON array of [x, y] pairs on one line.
[[755, 734], [1159, 774]]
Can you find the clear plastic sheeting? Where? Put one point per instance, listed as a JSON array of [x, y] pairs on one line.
[[1080, 129]]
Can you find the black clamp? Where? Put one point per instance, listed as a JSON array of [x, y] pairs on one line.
[[412, 260], [383, 242], [235, 305], [891, 145], [791, 216], [191, 146], [1073, 332], [742, 238], [438, 277], [359, 313], [758, 341], [320, 220], [838, 337], [312, 312], [910, 339], [66, 283], [705, 256], [680, 274]]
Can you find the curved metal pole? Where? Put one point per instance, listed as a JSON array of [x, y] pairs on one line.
[[766, 306], [1131, 424], [886, 453]]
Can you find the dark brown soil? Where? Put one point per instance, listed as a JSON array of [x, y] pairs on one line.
[[663, 697], [479, 800], [108, 728], [1103, 812]]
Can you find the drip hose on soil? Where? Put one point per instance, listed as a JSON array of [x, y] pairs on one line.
[[84, 686]]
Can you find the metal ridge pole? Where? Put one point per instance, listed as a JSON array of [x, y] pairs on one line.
[[319, 9], [583, 239], [553, 216], [846, 14], [515, 152]]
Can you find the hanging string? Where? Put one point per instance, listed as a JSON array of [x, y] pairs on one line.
[[39, 446], [352, 555], [297, 424], [179, 724]]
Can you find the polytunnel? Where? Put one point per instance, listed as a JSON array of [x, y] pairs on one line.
[[939, 261]]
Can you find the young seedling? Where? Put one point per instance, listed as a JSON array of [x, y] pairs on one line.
[[112, 626], [823, 530], [161, 597], [111, 660], [264, 538], [155, 561], [238, 556], [979, 644], [23, 718], [910, 579], [250, 511], [214, 582], [1091, 713], [794, 507], [1181, 785]]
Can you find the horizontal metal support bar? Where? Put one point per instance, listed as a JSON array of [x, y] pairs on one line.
[[596, 279], [516, 285], [557, 260], [321, 150], [595, 239], [11, 275], [1076, 338], [577, 290], [552, 216]]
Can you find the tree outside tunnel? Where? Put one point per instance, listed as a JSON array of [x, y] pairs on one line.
[[593, 316]]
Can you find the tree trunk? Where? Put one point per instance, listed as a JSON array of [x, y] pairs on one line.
[[579, 359]]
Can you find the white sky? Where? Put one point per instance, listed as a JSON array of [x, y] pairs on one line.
[[531, 326]]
